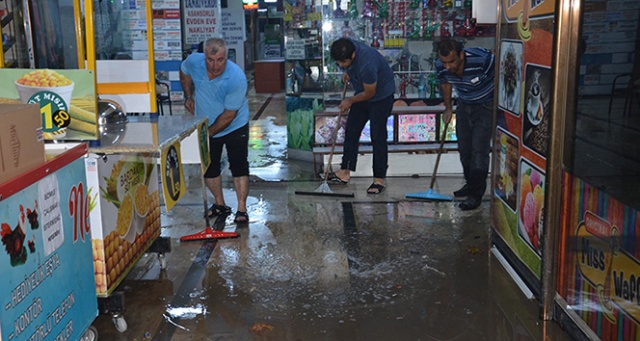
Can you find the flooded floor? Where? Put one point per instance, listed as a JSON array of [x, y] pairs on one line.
[[315, 267]]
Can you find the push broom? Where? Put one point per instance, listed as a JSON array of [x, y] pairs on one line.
[[430, 194], [209, 233], [324, 188]]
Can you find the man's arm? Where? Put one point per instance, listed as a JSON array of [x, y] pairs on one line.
[[223, 121], [367, 94], [446, 89], [189, 90]]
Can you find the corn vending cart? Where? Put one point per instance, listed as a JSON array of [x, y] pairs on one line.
[[48, 287]]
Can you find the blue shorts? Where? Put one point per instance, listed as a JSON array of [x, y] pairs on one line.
[[237, 144]]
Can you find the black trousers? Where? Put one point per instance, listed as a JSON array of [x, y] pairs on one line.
[[377, 113], [474, 128]]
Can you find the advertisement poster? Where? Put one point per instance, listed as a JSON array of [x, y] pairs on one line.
[[522, 135], [67, 100], [46, 259], [601, 269], [173, 185], [201, 20], [203, 145], [417, 128], [125, 218]]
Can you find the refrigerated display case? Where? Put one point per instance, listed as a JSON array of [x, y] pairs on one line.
[[565, 204]]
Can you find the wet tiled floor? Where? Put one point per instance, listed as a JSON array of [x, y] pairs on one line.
[[314, 267]]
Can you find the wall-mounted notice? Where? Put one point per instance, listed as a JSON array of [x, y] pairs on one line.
[[167, 34]]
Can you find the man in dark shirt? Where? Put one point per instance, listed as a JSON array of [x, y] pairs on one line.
[[471, 72], [372, 78]]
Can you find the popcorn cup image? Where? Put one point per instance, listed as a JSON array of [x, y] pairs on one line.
[[44, 80], [53, 92], [124, 223], [141, 207]]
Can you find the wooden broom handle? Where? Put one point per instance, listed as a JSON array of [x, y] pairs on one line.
[[435, 168]]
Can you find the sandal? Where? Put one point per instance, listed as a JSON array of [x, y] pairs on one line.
[[335, 179], [375, 188], [216, 210], [241, 217]]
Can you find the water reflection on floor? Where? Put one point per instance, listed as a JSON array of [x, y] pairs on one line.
[[311, 267]]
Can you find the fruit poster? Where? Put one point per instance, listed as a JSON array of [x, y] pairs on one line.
[[48, 287], [125, 218], [67, 100], [523, 86]]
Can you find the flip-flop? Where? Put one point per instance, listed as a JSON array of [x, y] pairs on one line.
[[241, 217], [375, 188], [217, 210]]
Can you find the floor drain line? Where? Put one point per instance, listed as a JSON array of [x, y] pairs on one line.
[[262, 108], [192, 279]]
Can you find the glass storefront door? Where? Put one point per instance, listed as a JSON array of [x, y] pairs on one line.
[[599, 249]]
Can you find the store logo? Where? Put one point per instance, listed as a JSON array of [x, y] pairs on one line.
[[15, 145], [610, 270]]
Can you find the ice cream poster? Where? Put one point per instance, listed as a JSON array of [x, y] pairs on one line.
[[531, 208], [67, 100]]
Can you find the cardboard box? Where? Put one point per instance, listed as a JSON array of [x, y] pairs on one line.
[[21, 139]]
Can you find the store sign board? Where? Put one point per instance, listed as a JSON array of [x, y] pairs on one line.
[[201, 22], [155, 4]]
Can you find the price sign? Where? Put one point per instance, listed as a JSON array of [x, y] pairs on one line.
[[295, 49], [54, 110]]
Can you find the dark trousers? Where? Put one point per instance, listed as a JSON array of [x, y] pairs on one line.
[[237, 143], [377, 113], [474, 127]]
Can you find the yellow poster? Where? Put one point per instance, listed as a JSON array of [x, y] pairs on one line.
[[173, 185], [203, 143], [608, 267]]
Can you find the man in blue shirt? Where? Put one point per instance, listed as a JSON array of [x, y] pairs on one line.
[[374, 85], [471, 72], [216, 88]]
